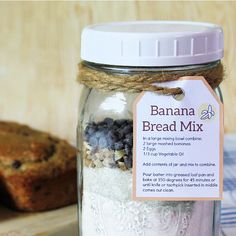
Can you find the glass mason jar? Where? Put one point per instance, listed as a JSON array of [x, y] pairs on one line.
[[105, 161]]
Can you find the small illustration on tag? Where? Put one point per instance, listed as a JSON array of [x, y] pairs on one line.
[[207, 112]]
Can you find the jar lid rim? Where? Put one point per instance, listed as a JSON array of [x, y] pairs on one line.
[[152, 43]]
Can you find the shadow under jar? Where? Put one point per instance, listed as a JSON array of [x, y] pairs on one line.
[[105, 135]]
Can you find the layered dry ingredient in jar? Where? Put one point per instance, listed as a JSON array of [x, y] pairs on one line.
[[120, 60], [109, 143], [107, 205]]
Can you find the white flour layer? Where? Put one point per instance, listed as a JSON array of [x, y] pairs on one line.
[[107, 210]]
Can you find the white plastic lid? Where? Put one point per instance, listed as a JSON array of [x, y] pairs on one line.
[[152, 43]]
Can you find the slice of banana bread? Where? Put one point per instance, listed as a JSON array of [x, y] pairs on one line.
[[37, 170]]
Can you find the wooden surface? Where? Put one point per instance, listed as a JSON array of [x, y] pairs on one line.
[[61, 222]]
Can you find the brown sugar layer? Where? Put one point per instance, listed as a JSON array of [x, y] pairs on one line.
[[37, 170]]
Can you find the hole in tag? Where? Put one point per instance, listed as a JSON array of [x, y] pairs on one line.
[[180, 96]]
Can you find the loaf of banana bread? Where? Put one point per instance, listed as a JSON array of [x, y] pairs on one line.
[[37, 170]]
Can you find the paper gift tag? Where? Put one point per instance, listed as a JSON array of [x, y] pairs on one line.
[[178, 144]]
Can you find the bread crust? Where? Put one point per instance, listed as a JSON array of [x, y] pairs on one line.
[[37, 170]]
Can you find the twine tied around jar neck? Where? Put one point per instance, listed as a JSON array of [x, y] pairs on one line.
[[143, 81]]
